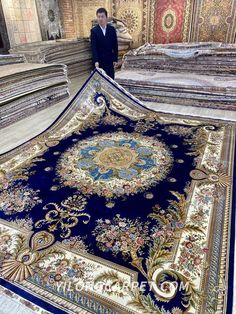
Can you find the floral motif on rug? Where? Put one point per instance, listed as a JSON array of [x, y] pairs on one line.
[[105, 164], [118, 209]]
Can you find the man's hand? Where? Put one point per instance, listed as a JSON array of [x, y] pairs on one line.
[[115, 64], [97, 64]]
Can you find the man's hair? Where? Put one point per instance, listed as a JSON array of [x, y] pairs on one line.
[[101, 10]]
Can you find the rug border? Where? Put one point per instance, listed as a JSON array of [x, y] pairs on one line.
[[25, 295], [231, 259]]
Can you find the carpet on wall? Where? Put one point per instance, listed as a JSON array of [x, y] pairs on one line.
[[214, 20], [134, 14], [171, 21], [118, 209]]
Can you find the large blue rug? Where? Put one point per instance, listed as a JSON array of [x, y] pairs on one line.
[[118, 209]]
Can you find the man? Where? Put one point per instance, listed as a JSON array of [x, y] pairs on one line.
[[104, 44]]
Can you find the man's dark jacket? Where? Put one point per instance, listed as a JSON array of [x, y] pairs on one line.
[[104, 48]]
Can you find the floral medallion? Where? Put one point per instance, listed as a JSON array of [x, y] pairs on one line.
[[106, 164]]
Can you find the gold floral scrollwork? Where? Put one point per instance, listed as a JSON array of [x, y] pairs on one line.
[[66, 216], [20, 266], [18, 261], [166, 283], [204, 176], [52, 143], [167, 289], [41, 240], [2, 173]]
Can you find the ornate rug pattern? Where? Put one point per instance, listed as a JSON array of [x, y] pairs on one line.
[[118, 209], [172, 19], [214, 20]]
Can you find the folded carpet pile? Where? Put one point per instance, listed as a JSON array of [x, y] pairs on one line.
[[75, 53], [201, 58], [27, 88], [185, 74], [11, 59]]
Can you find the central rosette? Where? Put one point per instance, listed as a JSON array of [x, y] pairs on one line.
[[115, 164], [116, 157]]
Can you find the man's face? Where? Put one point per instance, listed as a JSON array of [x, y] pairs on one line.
[[101, 18]]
